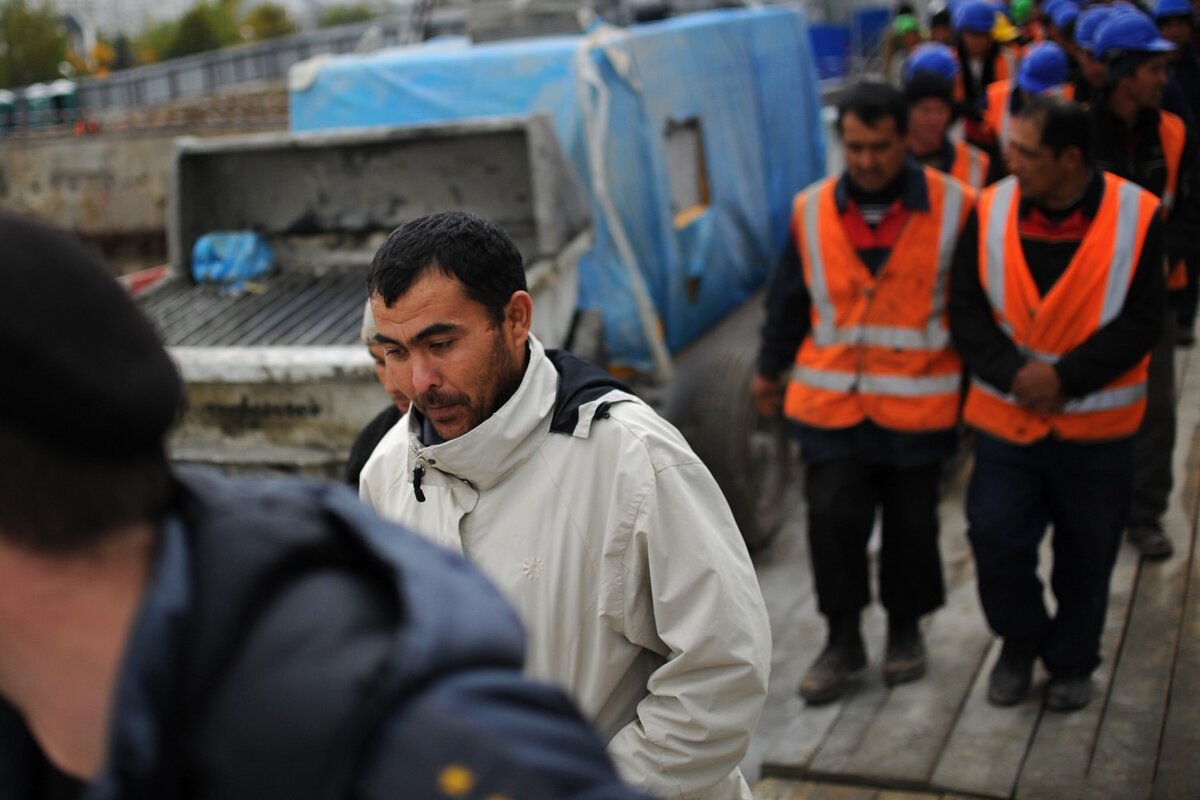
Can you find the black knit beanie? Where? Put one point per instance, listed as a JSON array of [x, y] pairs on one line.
[[84, 370], [927, 84]]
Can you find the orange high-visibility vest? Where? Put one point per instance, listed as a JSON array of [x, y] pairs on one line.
[[1173, 135], [1088, 295], [970, 164], [879, 345], [998, 114]]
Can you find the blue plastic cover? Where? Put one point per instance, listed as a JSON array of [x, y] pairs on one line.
[[230, 258], [747, 75]]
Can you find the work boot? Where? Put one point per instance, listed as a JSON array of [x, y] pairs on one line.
[[905, 659], [839, 664], [1069, 692], [1151, 540], [1013, 674]]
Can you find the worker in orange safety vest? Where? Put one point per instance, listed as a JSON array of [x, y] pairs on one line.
[[1058, 296], [856, 354], [929, 76]]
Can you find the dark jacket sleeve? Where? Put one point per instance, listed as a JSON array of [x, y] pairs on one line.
[[788, 314], [1116, 348], [985, 349], [484, 733]]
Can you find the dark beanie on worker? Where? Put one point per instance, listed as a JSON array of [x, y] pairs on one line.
[[84, 370], [928, 84]]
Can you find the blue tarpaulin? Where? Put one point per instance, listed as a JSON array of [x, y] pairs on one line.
[[744, 78]]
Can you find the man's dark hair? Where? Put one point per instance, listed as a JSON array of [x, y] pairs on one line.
[[872, 101], [1064, 124], [458, 245], [59, 503]]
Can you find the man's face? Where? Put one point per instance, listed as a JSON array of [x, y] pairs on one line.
[[941, 33], [1037, 169], [444, 351], [378, 356], [976, 44], [874, 154], [928, 119], [1148, 81], [1177, 31], [1094, 71]]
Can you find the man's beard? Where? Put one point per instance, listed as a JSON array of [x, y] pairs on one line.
[[500, 378]]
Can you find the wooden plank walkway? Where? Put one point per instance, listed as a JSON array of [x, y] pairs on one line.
[[939, 737]]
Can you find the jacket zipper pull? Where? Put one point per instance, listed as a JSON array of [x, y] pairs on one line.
[[418, 474]]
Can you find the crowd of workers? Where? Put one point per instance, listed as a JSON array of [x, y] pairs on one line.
[[996, 256], [1059, 292]]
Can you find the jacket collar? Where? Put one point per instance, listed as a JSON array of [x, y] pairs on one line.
[[914, 195], [503, 441]]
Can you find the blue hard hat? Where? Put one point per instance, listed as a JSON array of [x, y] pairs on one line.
[[1043, 67], [1050, 7], [975, 16], [1129, 31], [1064, 14], [1172, 8], [1088, 22], [934, 58]]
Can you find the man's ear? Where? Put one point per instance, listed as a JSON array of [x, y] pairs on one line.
[[1073, 156], [518, 317]]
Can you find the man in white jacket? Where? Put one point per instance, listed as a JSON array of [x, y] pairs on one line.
[[586, 508]]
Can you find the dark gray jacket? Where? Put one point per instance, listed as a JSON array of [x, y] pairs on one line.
[[322, 653]]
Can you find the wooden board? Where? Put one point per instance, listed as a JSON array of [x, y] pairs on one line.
[[988, 744], [905, 739], [1178, 772], [858, 708], [1126, 752], [1058, 758]]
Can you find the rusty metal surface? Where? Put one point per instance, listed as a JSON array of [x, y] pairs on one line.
[[287, 309]]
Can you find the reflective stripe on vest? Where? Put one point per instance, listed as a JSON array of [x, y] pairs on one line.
[[922, 386], [999, 110], [934, 337], [1102, 400]]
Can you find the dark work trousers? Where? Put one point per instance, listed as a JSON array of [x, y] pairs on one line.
[[1083, 491], [843, 495], [1154, 444]]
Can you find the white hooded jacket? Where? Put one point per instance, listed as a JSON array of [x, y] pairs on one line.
[[617, 549]]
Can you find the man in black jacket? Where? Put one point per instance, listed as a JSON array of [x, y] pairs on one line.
[[1175, 22], [171, 635], [1134, 138]]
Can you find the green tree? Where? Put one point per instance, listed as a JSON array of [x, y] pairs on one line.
[[32, 43], [196, 34], [345, 14], [269, 21], [155, 41]]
